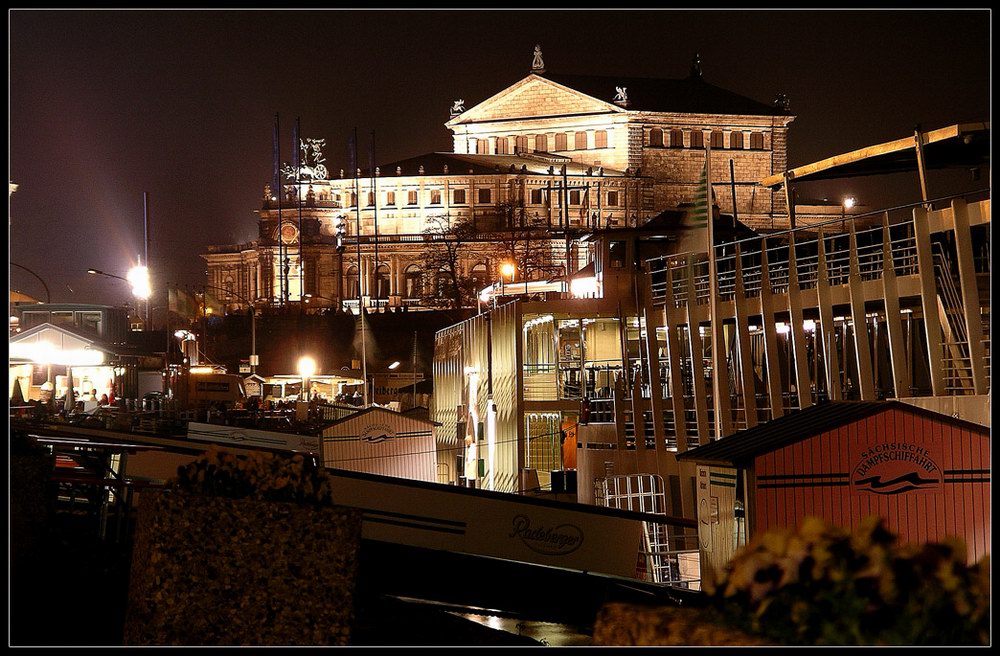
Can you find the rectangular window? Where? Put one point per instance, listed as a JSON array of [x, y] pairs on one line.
[[736, 140], [458, 197], [371, 198], [390, 198], [574, 197], [717, 140], [601, 139], [756, 141], [580, 141], [616, 254], [612, 199], [411, 197], [697, 139], [435, 196], [483, 146], [561, 141], [485, 195], [541, 143], [536, 196]]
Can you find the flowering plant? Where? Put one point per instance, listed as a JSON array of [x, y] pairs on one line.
[[825, 585], [259, 475]]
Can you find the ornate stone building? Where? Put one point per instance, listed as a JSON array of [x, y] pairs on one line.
[[565, 153]]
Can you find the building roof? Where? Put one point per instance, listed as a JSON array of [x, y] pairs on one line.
[[690, 95], [460, 164], [802, 425]]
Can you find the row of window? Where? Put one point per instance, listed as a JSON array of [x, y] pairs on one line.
[[485, 196], [560, 141], [413, 281], [655, 139]]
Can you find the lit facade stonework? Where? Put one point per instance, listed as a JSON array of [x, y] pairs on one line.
[[571, 153]]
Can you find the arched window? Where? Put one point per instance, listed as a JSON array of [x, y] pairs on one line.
[[354, 199], [441, 283], [371, 198], [756, 141], [601, 139], [502, 146], [352, 290], [414, 281], [676, 138], [656, 138], [717, 140], [521, 144], [541, 143], [580, 141], [480, 275], [736, 140], [697, 139], [561, 141], [382, 281]]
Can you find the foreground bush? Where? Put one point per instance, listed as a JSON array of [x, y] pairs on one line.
[[259, 475], [244, 550], [825, 585]]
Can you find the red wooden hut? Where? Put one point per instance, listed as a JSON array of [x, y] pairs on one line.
[[926, 474]]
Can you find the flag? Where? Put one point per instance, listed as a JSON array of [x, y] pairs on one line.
[[702, 212], [213, 306], [276, 174], [182, 303], [296, 151]]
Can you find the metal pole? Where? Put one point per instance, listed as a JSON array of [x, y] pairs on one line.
[[145, 222]]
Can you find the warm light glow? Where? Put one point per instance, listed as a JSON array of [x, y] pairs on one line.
[[582, 287], [201, 370], [185, 335], [809, 325], [782, 328], [508, 269], [306, 366], [138, 277], [394, 365], [849, 202], [47, 353]]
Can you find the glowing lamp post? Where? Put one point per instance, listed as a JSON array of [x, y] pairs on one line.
[[307, 369], [507, 270]]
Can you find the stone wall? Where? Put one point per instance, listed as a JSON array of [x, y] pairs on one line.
[[218, 571]]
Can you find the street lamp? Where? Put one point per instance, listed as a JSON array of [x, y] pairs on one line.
[[506, 269], [307, 369], [849, 202]]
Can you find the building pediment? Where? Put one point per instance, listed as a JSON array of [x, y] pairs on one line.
[[533, 97]]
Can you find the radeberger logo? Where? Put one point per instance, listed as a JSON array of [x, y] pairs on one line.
[[896, 468], [556, 541]]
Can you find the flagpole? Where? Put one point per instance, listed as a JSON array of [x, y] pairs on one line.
[[280, 190], [361, 307], [719, 385], [371, 164], [713, 295], [298, 198]]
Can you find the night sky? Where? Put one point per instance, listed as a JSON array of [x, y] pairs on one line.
[[106, 105]]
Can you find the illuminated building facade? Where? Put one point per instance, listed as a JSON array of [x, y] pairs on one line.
[[569, 153]]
